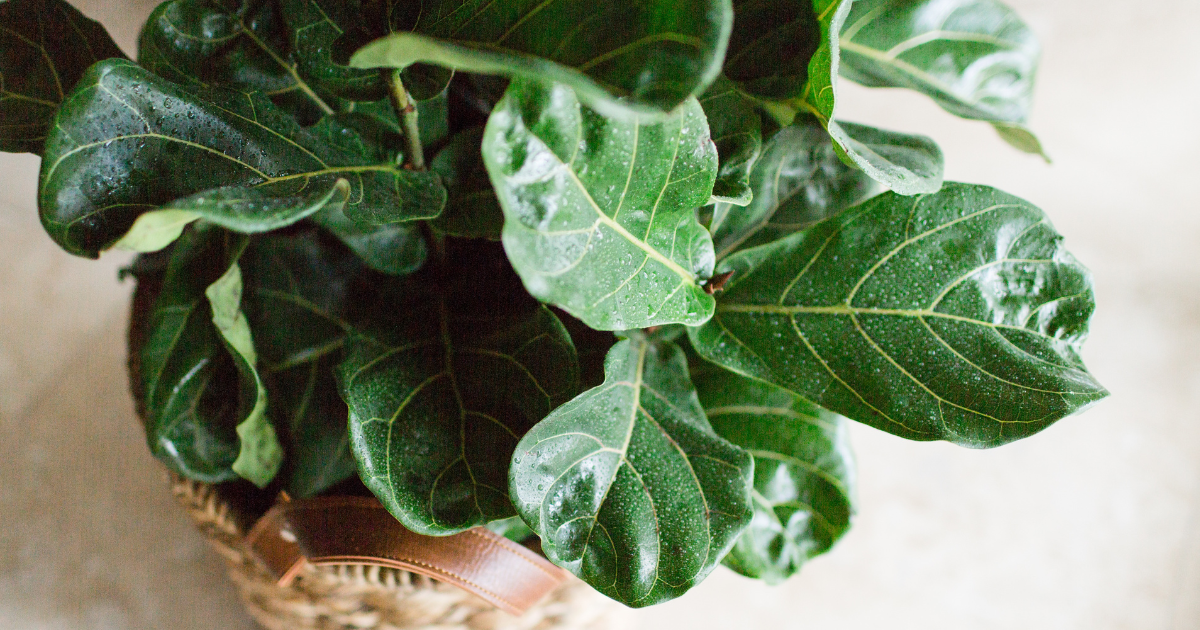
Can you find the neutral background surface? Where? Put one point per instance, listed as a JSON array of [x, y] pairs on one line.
[[1092, 525]]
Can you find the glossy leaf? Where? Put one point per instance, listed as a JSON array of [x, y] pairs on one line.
[[628, 486], [798, 182], [954, 316], [395, 249], [324, 33], [819, 95], [45, 46], [217, 42], [442, 385], [472, 210], [600, 213], [127, 142], [771, 45], [736, 129], [259, 452], [908, 164], [316, 27], [192, 390], [663, 51], [300, 294], [975, 58], [242, 209], [803, 471]]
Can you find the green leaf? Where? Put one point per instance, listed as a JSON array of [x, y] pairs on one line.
[[628, 486], [216, 42], [1021, 138], [395, 249], [662, 52], [736, 128], [259, 454], [127, 142], [45, 46], [798, 182], [323, 33], [242, 209], [819, 95], [771, 45], [954, 316], [472, 210], [600, 213], [803, 471], [192, 387], [316, 27], [451, 373], [975, 58], [512, 528], [299, 296], [908, 164]]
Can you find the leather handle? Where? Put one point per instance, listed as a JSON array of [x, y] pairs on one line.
[[358, 530]]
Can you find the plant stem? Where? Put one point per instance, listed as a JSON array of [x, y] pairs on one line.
[[408, 116]]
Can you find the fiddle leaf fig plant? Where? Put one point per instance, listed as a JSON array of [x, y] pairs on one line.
[[613, 275]]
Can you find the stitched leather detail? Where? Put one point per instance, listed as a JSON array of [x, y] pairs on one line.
[[358, 530]]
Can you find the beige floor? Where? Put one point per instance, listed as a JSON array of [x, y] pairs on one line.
[[1092, 525]]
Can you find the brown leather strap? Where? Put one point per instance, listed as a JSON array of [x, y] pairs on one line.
[[358, 530]]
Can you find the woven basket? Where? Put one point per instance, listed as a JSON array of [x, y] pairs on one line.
[[353, 596], [357, 596]]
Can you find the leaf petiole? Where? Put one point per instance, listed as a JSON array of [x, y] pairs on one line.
[[407, 111]]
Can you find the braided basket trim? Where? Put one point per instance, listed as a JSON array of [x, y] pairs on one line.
[[356, 596]]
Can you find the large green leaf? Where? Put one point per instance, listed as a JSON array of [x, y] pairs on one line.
[[192, 390], [325, 32], [975, 58], [454, 369], [45, 46], [628, 486], [798, 181], [316, 26], [644, 56], [954, 316], [299, 298], [245, 209], [600, 213], [736, 128], [907, 164], [803, 471], [259, 453], [771, 45], [218, 42], [472, 210], [126, 142]]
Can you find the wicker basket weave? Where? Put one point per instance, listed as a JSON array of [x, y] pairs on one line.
[[357, 596]]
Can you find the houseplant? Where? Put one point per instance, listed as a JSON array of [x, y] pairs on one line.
[[331, 301]]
